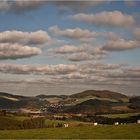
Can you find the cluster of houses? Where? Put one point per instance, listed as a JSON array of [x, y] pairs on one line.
[[52, 108]]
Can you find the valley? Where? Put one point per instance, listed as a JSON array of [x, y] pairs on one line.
[[87, 102], [99, 111]]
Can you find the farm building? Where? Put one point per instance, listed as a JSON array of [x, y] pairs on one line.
[[138, 121]]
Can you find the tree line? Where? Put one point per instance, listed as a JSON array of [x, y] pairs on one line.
[[106, 120], [9, 123]]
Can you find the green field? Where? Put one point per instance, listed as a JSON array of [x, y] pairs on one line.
[[125, 115], [129, 131], [80, 100], [70, 122], [18, 118]]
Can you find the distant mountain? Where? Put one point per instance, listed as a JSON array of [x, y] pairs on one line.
[[100, 94]]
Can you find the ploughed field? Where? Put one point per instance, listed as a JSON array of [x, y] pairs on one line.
[[128, 131]]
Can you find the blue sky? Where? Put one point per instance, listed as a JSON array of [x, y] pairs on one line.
[[69, 44]]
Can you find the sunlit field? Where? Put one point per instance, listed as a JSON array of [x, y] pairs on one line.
[[128, 131]]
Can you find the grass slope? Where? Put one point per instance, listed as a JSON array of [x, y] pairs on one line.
[[130, 131], [91, 106]]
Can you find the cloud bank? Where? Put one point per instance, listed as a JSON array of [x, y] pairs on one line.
[[37, 69], [120, 45], [105, 19], [90, 73], [76, 33], [24, 5], [83, 52], [20, 5], [26, 38], [15, 51]]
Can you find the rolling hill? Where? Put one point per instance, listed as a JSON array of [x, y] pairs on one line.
[[85, 102], [91, 106], [10, 101], [100, 94]]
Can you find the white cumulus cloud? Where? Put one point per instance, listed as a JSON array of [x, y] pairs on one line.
[[120, 45], [111, 19], [15, 51], [75, 33], [38, 37]]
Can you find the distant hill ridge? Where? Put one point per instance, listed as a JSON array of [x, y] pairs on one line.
[[99, 93], [16, 101], [11, 95], [96, 93], [52, 96], [84, 102]]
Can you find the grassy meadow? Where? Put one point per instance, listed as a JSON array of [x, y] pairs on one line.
[[124, 115], [129, 131]]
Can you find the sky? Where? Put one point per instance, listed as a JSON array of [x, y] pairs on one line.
[[65, 47]]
